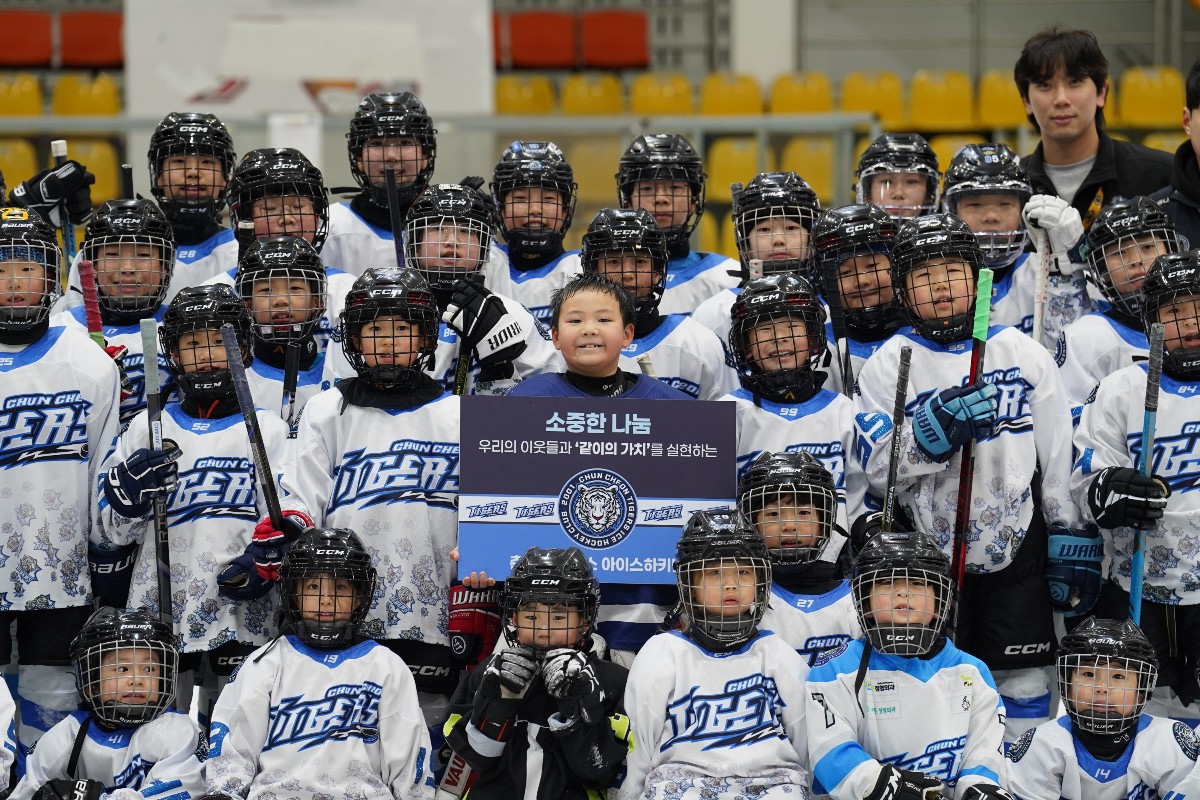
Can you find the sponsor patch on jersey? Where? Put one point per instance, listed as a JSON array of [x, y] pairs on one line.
[[885, 709], [960, 703], [597, 508], [1185, 737]]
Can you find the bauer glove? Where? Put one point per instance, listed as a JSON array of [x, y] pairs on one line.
[[485, 323], [111, 571], [947, 421], [49, 190], [474, 624], [131, 486], [1073, 569], [1055, 223], [904, 784], [64, 789], [268, 545], [1121, 497]]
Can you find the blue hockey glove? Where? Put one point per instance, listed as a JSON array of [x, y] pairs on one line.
[[947, 421], [485, 323], [240, 580], [111, 571], [1073, 569], [268, 546], [1121, 497], [130, 486]]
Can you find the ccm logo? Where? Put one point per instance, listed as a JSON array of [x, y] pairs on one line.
[[1027, 649], [544, 582]]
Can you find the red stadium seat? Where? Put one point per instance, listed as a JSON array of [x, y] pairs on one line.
[[615, 40], [91, 39], [27, 41], [542, 39]]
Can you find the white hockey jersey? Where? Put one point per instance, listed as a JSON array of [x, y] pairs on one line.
[[940, 715], [717, 726], [1012, 299], [685, 356], [314, 724], [155, 761], [1032, 430], [1110, 435], [211, 514], [354, 245], [392, 477], [1048, 763], [533, 288], [1091, 348], [59, 405], [8, 734], [266, 385], [817, 627], [696, 277]]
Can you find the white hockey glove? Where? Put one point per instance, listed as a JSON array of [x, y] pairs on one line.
[[513, 669], [485, 323], [1055, 224], [570, 680]]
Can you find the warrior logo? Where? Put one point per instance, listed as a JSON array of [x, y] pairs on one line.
[[597, 508]]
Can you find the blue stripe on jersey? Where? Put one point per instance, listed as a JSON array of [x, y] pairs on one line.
[[1129, 335], [646, 343], [79, 314], [32, 353], [811, 603], [194, 252], [812, 405], [202, 425], [1003, 285], [1103, 771], [863, 350], [158, 787], [681, 270], [307, 377], [950, 347], [523, 275], [835, 765], [1168, 384], [1027, 707], [725, 654], [332, 658], [981, 772]]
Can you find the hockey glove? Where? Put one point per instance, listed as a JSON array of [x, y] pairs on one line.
[[117, 353], [268, 546], [111, 571], [474, 624], [512, 670], [947, 421], [47, 192], [867, 525], [1063, 229], [1073, 569], [240, 580], [485, 323], [1120, 497], [985, 791], [131, 486], [570, 680], [904, 784], [63, 789]]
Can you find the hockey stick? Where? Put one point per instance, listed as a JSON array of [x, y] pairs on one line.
[[1137, 569], [966, 472], [91, 302], [58, 149], [463, 369], [162, 550], [456, 779], [127, 182], [397, 219], [889, 497], [1041, 281], [291, 374], [837, 321], [237, 371], [646, 365]]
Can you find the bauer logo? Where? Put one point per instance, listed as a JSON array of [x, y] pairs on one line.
[[597, 508]]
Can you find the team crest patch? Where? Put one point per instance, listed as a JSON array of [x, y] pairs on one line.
[[1185, 737], [597, 508], [1060, 350], [1017, 749]]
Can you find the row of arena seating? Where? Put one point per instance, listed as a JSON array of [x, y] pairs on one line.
[[71, 93], [935, 100], [71, 39], [599, 39]]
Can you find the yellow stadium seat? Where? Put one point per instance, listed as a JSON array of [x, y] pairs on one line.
[[941, 100], [1168, 141], [594, 160], [801, 93], [592, 93], [21, 95], [1112, 108], [722, 93], [880, 93], [710, 240], [100, 157], [811, 157], [76, 94], [728, 239], [524, 94], [1152, 97], [734, 159], [18, 160], [1000, 103], [654, 93], [946, 145]]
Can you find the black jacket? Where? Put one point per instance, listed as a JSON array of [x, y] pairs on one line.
[[1122, 169], [1181, 200]]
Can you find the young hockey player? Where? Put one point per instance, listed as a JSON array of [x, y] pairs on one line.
[[899, 172], [278, 192], [534, 190], [542, 718], [59, 402], [662, 174], [1105, 747], [389, 129], [1122, 245], [718, 708], [126, 743], [902, 713], [792, 501], [1017, 418], [212, 495], [777, 339], [1181, 199], [322, 710], [626, 247], [1112, 492]]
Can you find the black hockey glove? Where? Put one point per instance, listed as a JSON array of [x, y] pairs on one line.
[[570, 680], [1073, 569], [485, 323], [904, 784], [507, 675], [130, 486], [867, 525], [50, 189], [241, 581], [111, 571], [947, 421], [1120, 497], [985, 791], [512, 670], [63, 789]]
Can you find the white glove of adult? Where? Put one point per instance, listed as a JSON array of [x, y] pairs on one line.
[[1059, 221]]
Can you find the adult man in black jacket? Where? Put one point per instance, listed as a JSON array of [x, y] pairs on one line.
[[1181, 200]]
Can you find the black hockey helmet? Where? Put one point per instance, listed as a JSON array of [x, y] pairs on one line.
[[1124, 239], [26, 236], [899, 152], [272, 172], [189, 134], [540, 165], [279, 260], [131, 222], [402, 293], [777, 486], [392, 115], [628, 231], [448, 234], [663, 157], [721, 539], [205, 307], [768, 196], [840, 234], [339, 554], [3, 188], [991, 169], [1095, 661], [939, 238], [917, 560], [763, 300], [1171, 277], [139, 645], [554, 577]]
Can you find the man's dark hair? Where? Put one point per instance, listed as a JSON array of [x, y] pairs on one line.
[[592, 282], [1077, 52], [1192, 86]]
